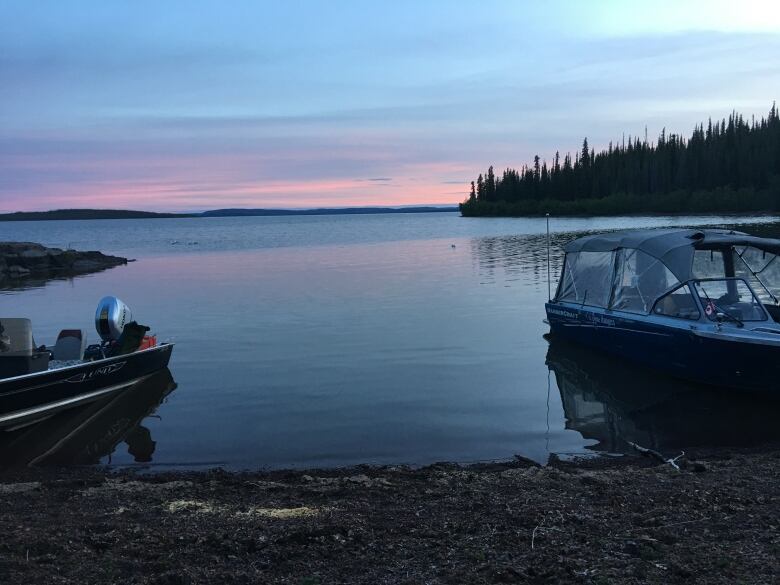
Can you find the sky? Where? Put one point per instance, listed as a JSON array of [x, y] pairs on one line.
[[187, 106]]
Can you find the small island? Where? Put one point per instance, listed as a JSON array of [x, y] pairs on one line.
[[24, 264], [727, 166]]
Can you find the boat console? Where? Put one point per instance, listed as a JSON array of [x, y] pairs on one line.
[[18, 355]]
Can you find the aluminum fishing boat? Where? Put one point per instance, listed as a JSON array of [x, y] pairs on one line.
[[38, 381], [698, 304]]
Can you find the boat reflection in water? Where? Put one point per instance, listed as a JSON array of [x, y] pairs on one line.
[[87, 434], [613, 404]]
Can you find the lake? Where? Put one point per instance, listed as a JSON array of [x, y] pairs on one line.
[[383, 339]]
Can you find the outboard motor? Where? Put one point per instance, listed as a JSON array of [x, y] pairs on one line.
[[111, 317]]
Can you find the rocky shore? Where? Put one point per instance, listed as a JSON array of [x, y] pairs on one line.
[[25, 264], [606, 520]]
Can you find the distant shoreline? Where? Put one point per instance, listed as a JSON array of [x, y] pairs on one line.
[[716, 201], [82, 214]]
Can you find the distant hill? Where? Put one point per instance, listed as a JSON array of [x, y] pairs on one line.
[[86, 214], [65, 214], [325, 211]]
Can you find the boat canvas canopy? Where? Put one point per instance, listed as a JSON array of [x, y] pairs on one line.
[[626, 279], [675, 248]]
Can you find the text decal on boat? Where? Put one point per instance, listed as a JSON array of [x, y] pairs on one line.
[[563, 313], [587, 317], [103, 371], [597, 319]]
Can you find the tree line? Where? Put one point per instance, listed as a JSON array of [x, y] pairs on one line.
[[733, 163]]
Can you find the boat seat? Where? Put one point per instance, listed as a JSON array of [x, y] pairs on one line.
[[20, 356], [678, 305], [70, 345]]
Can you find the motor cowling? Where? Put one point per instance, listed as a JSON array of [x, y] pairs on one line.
[[111, 317]]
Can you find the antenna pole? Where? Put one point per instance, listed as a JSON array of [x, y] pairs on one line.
[[549, 295]]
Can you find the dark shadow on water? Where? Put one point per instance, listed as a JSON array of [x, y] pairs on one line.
[[32, 282], [616, 403], [8, 285], [84, 435]]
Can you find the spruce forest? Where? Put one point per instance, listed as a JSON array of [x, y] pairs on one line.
[[730, 165]]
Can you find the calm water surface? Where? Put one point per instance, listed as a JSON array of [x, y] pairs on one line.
[[336, 340]]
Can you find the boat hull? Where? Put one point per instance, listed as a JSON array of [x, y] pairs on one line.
[[617, 403], [29, 398], [724, 357], [85, 435]]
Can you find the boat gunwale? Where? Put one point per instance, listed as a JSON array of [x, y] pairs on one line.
[[161, 346], [701, 328]]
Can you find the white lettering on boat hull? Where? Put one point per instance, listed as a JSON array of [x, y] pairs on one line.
[[101, 371]]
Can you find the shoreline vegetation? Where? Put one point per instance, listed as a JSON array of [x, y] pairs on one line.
[[84, 214], [627, 520], [727, 166]]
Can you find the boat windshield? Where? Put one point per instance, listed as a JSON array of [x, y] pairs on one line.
[[729, 299]]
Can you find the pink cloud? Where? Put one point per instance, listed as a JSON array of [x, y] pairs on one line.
[[185, 195], [181, 183]]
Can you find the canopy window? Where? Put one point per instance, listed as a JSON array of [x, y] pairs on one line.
[[639, 280], [708, 264], [761, 269], [587, 277]]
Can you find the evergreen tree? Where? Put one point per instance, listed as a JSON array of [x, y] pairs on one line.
[[490, 185], [585, 155]]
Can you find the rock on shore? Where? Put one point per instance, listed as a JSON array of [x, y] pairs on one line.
[[23, 262]]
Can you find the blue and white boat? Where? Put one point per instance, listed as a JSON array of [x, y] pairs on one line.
[[698, 304]]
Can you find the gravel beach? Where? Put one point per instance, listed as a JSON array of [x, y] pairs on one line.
[[629, 519]]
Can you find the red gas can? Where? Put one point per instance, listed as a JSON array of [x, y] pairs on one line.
[[148, 341]]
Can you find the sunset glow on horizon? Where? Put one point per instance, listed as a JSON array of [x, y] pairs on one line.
[[181, 107]]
